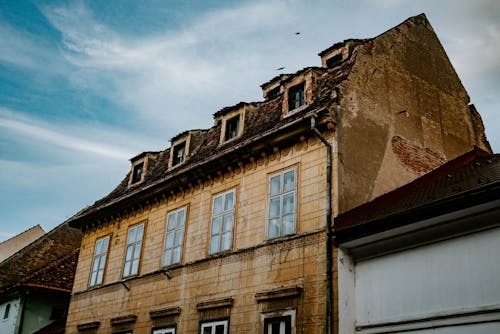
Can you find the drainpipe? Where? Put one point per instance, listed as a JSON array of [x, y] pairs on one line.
[[329, 255]]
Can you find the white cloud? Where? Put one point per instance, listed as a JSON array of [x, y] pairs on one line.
[[71, 139]]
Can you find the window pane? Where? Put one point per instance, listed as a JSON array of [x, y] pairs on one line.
[[217, 205], [126, 268], [105, 243], [288, 224], [289, 180], [140, 229], [274, 208], [214, 244], [95, 264], [131, 235], [274, 228], [228, 223], [135, 267], [216, 225], [181, 216], [102, 261], [93, 278], [226, 241], [171, 222], [177, 255], [167, 257], [229, 201], [137, 251], [128, 255], [178, 237], [275, 187], [170, 240], [99, 277], [207, 330], [219, 329], [289, 203], [98, 247]]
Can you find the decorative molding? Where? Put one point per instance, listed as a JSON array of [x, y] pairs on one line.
[[126, 319], [88, 326], [279, 293], [165, 312], [215, 303]]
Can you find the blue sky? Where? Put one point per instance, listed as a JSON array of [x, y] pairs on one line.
[[86, 85]]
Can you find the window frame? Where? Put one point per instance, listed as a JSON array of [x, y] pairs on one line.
[[292, 91], [281, 195], [127, 244], [181, 246], [175, 152], [213, 323], [222, 214], [100, 255], [236, 131], [237, 113], [287, 319], [164, 330]]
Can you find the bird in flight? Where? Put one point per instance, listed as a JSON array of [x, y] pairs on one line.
[[297, 33], [280, 68]]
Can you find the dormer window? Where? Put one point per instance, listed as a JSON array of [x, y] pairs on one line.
[[334, 61], [296, 96], [232, 128], [232, 122], [273, 93], [139, 167], [179, 153], [137, 172]]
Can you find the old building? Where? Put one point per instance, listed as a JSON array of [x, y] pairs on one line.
[[424, 258], [228, 229], [36, 283]]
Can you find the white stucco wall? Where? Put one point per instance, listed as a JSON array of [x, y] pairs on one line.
[[8, 325], [457, 275]]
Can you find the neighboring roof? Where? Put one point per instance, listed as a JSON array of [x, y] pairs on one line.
[[54, 245], [14, 244], [469, 180], [263, 124], [58, 275]]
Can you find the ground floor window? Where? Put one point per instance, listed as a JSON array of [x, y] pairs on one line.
[[278, 325], [167, 330], [215, 327]]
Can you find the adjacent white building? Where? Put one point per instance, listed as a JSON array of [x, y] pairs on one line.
[[425, 258]]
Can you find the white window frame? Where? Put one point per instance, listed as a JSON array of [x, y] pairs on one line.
[[225, 213], [168, 258], [135, 246], [99, 261], [166, 330], [265, 318], [213, 324], [279, 196]]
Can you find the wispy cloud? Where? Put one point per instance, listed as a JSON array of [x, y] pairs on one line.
[[39, 131]]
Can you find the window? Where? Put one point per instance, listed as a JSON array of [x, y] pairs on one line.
[[282, 204], [7, 311], [279, 325], [133, 251], [273, 93], [168, 330], [174, 236], [100, 252], [137, 172], [222, 222], [215, 327], [296, 97], [232, 128], [179, 151], [334, 61]]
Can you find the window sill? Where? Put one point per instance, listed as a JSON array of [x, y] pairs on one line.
[[296, 110]]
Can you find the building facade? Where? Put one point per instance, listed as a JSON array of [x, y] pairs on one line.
[[227, 230]]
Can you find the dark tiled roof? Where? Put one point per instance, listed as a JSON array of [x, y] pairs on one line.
[[456, 179], [54, 245], [58, 275]]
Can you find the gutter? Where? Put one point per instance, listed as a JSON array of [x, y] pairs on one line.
[[328, 228]]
